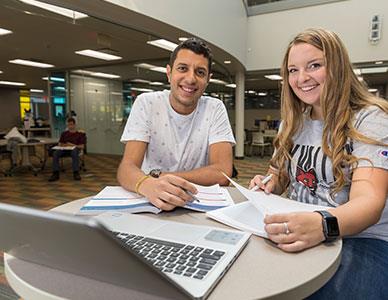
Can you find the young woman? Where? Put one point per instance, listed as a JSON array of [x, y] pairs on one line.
[[332, 150]]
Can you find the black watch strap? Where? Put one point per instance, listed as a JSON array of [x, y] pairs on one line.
[[330, 226]]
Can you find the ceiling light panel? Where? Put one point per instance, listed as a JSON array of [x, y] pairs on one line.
[[4, 31], [30, 63], [151, 67], [13, 83], [164, 44], [231, 85], [97, 74], [98, 54], [36, 91], [218, 81], [273, 77], [374, 70], [56, 9]]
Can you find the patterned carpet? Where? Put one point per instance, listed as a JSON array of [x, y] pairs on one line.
[[25, 189]]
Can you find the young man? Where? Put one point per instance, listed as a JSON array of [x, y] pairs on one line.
[[179, 136], [70, 137]]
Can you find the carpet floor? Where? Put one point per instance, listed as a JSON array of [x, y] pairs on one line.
[[25, 189]]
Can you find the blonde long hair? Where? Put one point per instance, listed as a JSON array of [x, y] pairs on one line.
[[342, 96]]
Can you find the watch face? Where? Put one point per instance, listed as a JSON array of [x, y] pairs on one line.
[[332, 227], [155, 173]]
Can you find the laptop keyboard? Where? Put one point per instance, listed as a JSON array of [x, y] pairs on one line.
[[176, 258]]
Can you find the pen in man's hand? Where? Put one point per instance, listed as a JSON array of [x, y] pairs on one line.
[[193, 196], [265, 180]]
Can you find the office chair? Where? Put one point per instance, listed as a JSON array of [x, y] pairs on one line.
[[258, 141], [5, 154]]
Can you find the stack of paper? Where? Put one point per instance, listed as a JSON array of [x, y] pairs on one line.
[[249, 215], [116, 198], [210, 198]]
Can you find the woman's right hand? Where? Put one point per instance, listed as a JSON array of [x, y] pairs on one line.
[[268, 188]]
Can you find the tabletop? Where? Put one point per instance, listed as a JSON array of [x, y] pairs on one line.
[[262, 271]]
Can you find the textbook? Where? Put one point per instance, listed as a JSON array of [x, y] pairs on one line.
[[249, 215], [117, 198]]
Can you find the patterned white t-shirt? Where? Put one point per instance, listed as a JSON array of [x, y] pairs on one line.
[[176, 142], [310, 171]]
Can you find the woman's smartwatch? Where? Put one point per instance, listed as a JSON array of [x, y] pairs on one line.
[[155, 173], [330, 226]]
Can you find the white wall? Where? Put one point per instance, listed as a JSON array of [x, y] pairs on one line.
[[250, 115], [221, 22], [269, 34]]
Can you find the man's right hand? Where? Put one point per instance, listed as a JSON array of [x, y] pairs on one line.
[[167, 191]]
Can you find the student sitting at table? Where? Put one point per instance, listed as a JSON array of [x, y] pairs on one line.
[[332, 150], [178, 136], [69, 138]]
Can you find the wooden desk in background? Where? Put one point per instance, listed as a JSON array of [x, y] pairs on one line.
[[261, 271]]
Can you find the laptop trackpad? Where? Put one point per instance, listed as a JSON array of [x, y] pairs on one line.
[[179, 232]]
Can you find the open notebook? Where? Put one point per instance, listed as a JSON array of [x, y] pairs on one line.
[[116, 198], [249, 215]]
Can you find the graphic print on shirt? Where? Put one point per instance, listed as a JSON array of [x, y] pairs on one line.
[[307, 178], [306, 157]]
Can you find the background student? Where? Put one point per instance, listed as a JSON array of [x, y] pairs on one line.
[[70, 137], [178, 136], [332, 150]]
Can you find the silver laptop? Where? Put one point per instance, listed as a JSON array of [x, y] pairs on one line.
[[154, 258]]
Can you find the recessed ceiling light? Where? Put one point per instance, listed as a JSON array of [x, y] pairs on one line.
[[36, 91], [251, 92], [372, 90], [97, 74], [54, 79], [1, 72], [182, 39], [30, 63], [151, 67], [227, 62], [96, 84], [273, 77], [379, 62], [374, 70], [56, 9], [218, 81], [262, 94], [4, 31], [141, 89], [137, 80], [98, 54], [164, 44], [156, 83], [231, 85], [357, 71], [12, 83]]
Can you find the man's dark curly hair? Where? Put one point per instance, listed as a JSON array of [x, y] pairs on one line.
[[197, 46]]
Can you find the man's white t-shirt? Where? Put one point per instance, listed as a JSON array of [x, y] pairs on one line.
[[176, 142]]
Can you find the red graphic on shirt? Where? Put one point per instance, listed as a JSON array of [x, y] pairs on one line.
[[307, 178]]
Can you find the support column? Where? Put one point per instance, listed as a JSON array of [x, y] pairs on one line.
[[239, 114]]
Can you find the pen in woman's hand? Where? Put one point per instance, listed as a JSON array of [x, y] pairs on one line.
[[265, 180]]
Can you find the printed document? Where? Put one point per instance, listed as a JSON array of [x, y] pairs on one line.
[[249, 215], [117, 198]]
